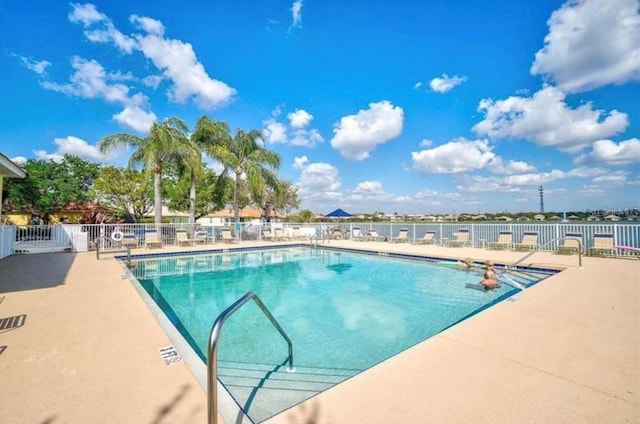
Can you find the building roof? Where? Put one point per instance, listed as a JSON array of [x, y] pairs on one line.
[[9, 169]]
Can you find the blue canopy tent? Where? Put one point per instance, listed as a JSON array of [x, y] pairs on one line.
[[338, 213]]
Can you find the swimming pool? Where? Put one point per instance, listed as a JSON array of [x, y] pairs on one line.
[[344, 312]]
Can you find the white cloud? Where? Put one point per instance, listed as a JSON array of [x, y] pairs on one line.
[[274, 131], [617, 178], [456, 156], [611, 153], [74, 146], [152, 81], [591, 43], [426, 143], [178, 63], [355, 136], [39, 67], [425, 193], [498, 166], [299, 162], [445, 83], [91, 81], [369, 187], [546, 120], [277, 132], [88, 16], [300, 118], [135, 117], [174, 58], [418, 85], [318, 182], [306, 138], [296, 13]]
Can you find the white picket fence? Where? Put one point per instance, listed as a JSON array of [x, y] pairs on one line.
[[80, 237]]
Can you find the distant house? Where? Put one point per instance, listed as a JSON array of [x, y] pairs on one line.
[[539, 217], [555, 218], [573, 217], [504, 218], [593, 218], [612, 218], [522, 218]]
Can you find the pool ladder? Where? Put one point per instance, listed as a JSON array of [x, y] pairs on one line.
[[212, 357], [537, 249]]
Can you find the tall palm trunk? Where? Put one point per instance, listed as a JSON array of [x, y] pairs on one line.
[[192, 198], [157, 195], [236, 198]]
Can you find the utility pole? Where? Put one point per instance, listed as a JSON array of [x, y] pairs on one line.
[[541, 191]]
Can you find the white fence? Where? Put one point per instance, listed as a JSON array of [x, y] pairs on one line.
[[80, 237]]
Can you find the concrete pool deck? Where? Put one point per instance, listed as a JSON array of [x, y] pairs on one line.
[[78, 345]]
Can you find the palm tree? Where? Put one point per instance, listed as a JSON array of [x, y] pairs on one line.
[[244, 154], [166, 142]]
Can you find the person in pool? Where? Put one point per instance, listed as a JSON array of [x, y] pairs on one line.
[[489, 281]]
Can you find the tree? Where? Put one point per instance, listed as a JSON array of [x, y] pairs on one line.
[[214, 191], [51, 185], [281, 198], [126, 190], [166, 142], [304, 215], [245, 155]]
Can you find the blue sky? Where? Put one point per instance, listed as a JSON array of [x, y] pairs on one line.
[[432, 106]]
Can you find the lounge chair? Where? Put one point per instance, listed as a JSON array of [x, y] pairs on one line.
[[461, 238], [372, 235], [296, 234], [336, 234], [182, 239], [505, 241], [571, 243], [403, 236], [602, 244], [278, 234], [356, 234], [201, 237], [529, 241], [129, 240], [227, 236], [151, 239], [267, 235], [428, 238]]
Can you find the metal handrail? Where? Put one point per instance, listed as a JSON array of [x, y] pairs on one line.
[[126, 248], [212, 357], [537, 249]]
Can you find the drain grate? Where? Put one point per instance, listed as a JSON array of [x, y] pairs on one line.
[[12, 322]]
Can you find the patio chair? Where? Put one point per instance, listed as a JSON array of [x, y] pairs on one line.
[[372, 235], [227, 236], [182, 239], [428, 238], [403, 236], [356, 234], [201, 237], [529, 241], [296, 234], [267, 235], [278, 234], [571, 243], [505, 241], [129, 240], [151, 239], [461, 238], [336, 234], [602, 244]]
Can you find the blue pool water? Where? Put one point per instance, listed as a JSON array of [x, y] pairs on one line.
[[343, 311]]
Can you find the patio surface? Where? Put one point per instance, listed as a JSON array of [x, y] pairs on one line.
[[78, 345]]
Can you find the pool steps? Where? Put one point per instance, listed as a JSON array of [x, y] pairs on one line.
[[263, 390]]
